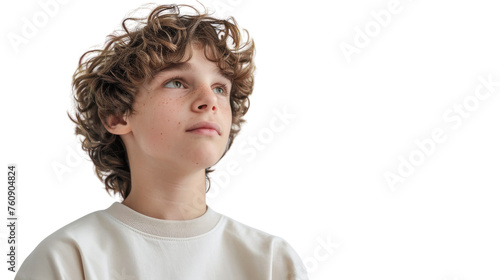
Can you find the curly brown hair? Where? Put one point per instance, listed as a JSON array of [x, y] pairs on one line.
[[107, 79]]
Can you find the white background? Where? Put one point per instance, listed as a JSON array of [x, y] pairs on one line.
[[320, 176]]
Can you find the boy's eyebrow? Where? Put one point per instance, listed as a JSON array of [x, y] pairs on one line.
[[186, 66]]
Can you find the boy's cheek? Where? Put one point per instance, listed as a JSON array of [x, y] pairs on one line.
[[228, 122]]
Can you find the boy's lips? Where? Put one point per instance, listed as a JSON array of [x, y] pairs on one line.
[[207, 128]]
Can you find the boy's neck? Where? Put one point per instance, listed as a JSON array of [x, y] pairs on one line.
[[167, 196]]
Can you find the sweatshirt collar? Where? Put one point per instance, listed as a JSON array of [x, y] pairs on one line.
[[165, 228]]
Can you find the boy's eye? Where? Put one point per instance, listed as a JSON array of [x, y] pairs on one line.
[[219, 90], [174, 84]]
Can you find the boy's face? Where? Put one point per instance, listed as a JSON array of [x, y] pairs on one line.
[[182, 117]]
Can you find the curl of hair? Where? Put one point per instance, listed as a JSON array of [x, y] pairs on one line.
[[107, 79]]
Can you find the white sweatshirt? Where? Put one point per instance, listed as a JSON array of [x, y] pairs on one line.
[[120, 243]]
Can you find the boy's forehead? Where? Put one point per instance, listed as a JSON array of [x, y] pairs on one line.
[[182, 66]]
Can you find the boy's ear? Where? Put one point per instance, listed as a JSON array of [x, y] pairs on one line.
[[117, 125]]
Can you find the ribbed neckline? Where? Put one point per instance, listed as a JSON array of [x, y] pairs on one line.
[[165, 228]]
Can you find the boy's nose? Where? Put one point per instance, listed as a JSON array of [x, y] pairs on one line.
[[206, 100]]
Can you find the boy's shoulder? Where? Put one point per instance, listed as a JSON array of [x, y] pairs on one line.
[[250, 236], [281, 254], [63, 247], [85, 227], [82, 227], [240, 229]]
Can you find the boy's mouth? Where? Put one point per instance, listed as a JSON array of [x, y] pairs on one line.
[[205, 128]]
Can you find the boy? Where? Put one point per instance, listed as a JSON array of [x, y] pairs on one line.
[[157, 107]]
